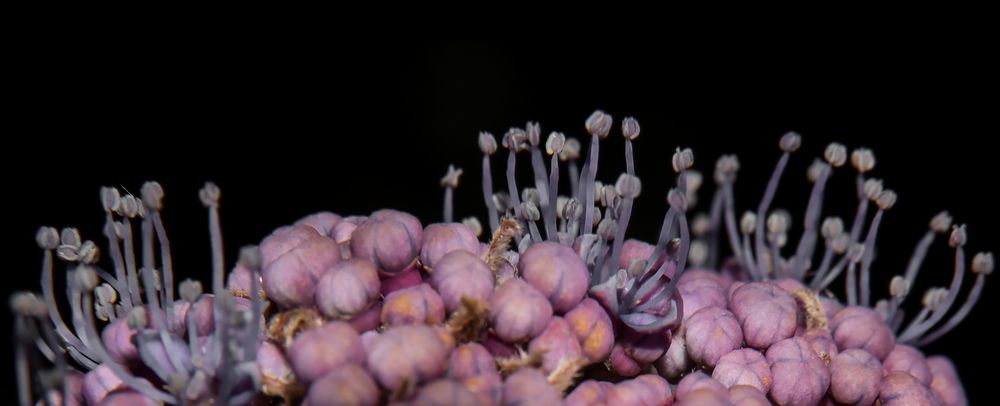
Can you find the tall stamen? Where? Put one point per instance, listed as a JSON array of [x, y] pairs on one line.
[[790, 142], [488, 145]]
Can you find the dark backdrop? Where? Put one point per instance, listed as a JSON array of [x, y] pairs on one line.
[[352, 128]]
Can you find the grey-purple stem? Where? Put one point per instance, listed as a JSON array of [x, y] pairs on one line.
[[491, 209], [807, 243], [765, 203]]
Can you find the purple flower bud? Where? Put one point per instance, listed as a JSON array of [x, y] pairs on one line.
[[699, 292], [117, 338], [528, 386], [518, 311], [698, 381], [347, 289], [904, 358], [743, 395], [498, 347], [704, 397], [402, 280], [623, 364], [203, 311], [800, 376], [588, 393], [413, 305], [282, 240], [944, 381], [643, 390], [290, 280], [368, 320], [766, 312], [488, 388], [445, 392], [348, 385], [442, 238], [389, 244], [861, 327], [592, 327], [240, 279], [645, 348], [469, 360], [557, 272], [410, 354], [276, 373], [854, 377], [821, 343], [557, 344], [745, 366], [461, 274], [323, 222], [675, 362], [901, 388], [319, 350]]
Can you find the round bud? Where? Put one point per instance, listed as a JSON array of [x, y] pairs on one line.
[[487, 143], [571, 150], [628, 186], [71, 237], [835, 154], [152, 195], [748, 223], [790, 142], [110, 199], [86, 278], [886, 199], [450, 179], [832, 227], [47, 238], [599, 124], [982, 263], [941, 222], [958, 236], [555, 143], [863, 159], [534, 133], [682, 159], [873, 188], [630, 128], [898, 286], [209, 194], [190, 290]]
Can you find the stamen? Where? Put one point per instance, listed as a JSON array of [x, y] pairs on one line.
[[854, 255], [835, 155], [449, 182], [570, 153], [48, 240], [554, 147], [513, 141], [598, 125], [488, 145], [982, 265], [885, 201], [534, 135], [957, 241], [790, 142]]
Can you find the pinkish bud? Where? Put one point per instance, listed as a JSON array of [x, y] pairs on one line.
[[407, 354], [944, 381], [698, 381], [800, 376], [347, 289], [488, 388], [290, 280], [409, 277], [743, 395], [557, 344], [442, 238], [319, 350], [699, 292], [854, 377], [99, 382], [528, 386], [904, 358], [745, 366], [861, 327], [518, 311], [445, 392], [461, 274], [413, 305], [469, 360], [592, 327], [901, 388], [389, 241], [349, 385], [323, 222], [588, 393], [766, 313], [642, 390], [557, 272], [282, 240], [276, 373]]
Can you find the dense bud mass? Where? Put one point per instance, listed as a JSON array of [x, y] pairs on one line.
[[546, 301]]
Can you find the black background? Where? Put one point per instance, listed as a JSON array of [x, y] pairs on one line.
[[354, 128]]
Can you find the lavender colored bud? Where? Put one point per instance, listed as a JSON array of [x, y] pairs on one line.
[[700, 289], [630, 128], [743, 395], [518, 311], [704, 397], [47, 238], [557, 272], [945, 382], [904, 358], [901, 388], [557, 344], [863, 159], [469, 360], [487, 143], [276, 373], [407, 354], [588, 393], [682, 159], [488, 388], [323, 222], [744, 367], [461, 274], [622, 364], [283, 240], [861, 327], [766, 313], [118, 339], [675, 362], [821, 342], [800, 376], [790, 142], [855, 376], [699, 381], [599, 124], [290, 280], [643, 390], [445, 392], [835, 154], [391, 242], [644, 348], [711, 333], [413, 305], [408, 278], [127, 398], [329, 347], [347, 289], [592, 327], [528, 386], [348, 385], [99, 383]]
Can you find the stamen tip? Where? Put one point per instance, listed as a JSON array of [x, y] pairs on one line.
[[630, 128], [599, 124], [790, 142], [487, 143]]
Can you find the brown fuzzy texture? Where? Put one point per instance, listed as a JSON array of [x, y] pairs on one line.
[[509, 228], [813, 309], [566, 373], [523, 359], [469, 321], [284, 326]]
